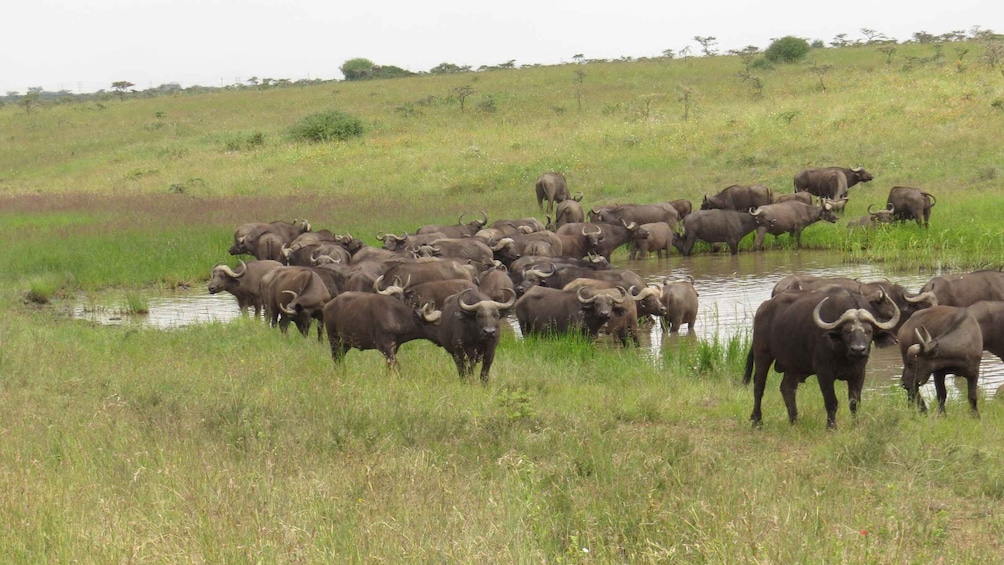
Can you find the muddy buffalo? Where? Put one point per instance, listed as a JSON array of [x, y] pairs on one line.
[[790, 217], [680, 300], [715, 226], [244, 283]]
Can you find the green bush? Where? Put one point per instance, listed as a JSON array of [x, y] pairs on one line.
[[327, 126], [788, 49]]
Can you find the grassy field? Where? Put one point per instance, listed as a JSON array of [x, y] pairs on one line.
[[230, 443]]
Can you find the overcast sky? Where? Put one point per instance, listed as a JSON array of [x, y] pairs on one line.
[[85, 45]]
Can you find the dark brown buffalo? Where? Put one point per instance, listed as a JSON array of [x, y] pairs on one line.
[[827, 333], [830, 182], [435, 292], [679, 298], [246, 236], [659, 239], [715, 226], [780, 197], [459, 229], [551, 187], [552, 310], [789, 217], [966, 288], [244, 284], [738, 197], [644, 303], [941, 340], [567, 212], [683, 207], [418, 272], [495, 283], [363, 320], [393, 242], [611, 237], [268, 247], [626, 214], [580, 245], [990, 315], [519, 225], [909, 203], [875, 292], [872, 220], [470, 330], [558, 277], [463, 248], [295, 294]]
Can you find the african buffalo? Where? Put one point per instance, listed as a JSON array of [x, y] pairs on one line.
[[683, 207], [470, 330], [363, 320], [495, 282], [990, 315], [789, 217], [909, 203], [875, 292], [246, 236], [392, 242], [780, 197], [459, 229], [830, 182], [435, 292], [294, 294], [956, 348], [626, 214], [738, 197], [551, 187], [966, 288], [872, 220], [659, 238], [568, 212], [715, 226], [611, 236], [558, 277], [827, 333], [679, 299], [549, 310], [643, 304], [243, 284], [431, 270]]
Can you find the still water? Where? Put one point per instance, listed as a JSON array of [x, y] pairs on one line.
[[730, 287]]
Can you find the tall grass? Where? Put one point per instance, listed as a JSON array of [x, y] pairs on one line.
[[224, 443]]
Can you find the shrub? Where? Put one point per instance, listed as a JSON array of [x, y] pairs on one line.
[[788, 49], [327, 126]]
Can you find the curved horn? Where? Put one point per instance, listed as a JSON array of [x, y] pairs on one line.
[[231, 273], [624, 295], [507, 304], [579, 199], [465, 306], [847, 316], [690, 279], [460, 220], [889, 324], [503, 243], [400, 237], [755, 211], [922, 297], [430, 315], [484, 218], [599, 230], [285, 251], [376, 283], [646, 292], [380, 235], [870, 210], [285, 310], [933, 199], [856, 169], [582, 298]]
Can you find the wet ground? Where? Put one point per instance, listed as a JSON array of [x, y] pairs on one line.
[[730, 288]]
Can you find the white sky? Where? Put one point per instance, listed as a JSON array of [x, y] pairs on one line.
[[85, 45]]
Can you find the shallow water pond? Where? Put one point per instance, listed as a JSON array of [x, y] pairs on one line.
[[730, 288]]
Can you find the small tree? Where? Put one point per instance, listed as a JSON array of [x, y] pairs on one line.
[[579, 58], [686, 52], [121, 86], [888, 51], [32, 99], [462, 93], [578, 77], [961, 53], [820, 72], [707, 44], [668, 53], [688, 96], [840, 40], [788, 49], [747, 55], [872, 36]]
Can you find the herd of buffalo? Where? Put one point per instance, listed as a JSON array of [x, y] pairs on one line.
[[453, 284]]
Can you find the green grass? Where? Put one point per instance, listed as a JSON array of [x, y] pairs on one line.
[[230, 443]]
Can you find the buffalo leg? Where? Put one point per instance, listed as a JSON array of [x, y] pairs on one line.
[[789, 384], [759, 385], [854, 387], [734, 247], [972, 390], [829, 400], [761, 232], [486, 365]]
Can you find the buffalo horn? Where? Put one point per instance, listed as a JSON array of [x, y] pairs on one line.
[[598, 230], [460, 220], [582, 298], [430, 315], [889, 324], [847, 316], [755, 211], [380, 235], [856, 169], [922, 297], [624, 295], [285, 310], [503, 243], [579, 199], [870, 210], [231, 273], [931, 196]]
